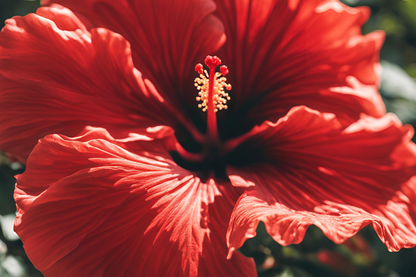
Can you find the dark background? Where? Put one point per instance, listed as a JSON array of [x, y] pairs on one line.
[[364, 255]]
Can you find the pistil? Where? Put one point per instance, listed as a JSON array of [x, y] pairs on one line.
[[212, 118], [211, 92]]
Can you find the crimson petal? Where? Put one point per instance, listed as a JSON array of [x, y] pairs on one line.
[[60, 80], [168, 38], [89, 207], [339, 179], [279, 57]]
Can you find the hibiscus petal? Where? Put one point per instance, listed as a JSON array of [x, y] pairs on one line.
[[280, 57], [168, 38], [339, 179], [63, 18], [89, 207], [60, 80]]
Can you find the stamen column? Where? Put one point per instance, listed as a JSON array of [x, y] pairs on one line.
[[211, 93], [212, 130]]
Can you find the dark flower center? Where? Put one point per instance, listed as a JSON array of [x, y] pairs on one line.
[[210, 155]]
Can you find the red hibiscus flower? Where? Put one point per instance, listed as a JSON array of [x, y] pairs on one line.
[[296, 136]]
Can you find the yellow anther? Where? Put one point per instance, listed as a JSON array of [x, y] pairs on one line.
[[220, 97]]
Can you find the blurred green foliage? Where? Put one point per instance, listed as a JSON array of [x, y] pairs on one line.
[[362, 256]]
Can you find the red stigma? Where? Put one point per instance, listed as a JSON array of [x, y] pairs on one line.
[[212, 62], [199, 68], [224, 70]]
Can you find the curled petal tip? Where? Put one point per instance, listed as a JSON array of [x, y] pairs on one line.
[[230, 252]]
